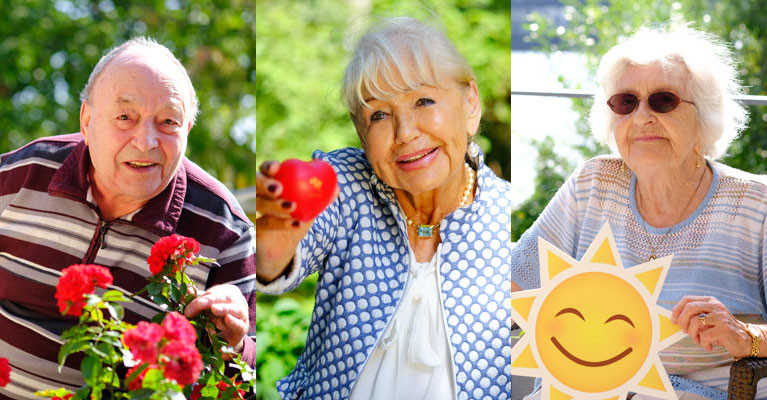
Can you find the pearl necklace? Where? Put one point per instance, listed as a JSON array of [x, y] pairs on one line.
[[424, 230]]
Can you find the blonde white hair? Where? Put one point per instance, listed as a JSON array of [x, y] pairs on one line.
[[401, 53], [147, 43], [712, 81]]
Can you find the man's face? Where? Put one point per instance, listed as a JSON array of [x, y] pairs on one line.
[[136, 125]]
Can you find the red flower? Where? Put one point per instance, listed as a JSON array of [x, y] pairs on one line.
[[142, 341], [5, 372], [177, 327], [174, 250], [66, 397], [137, 382], [196, 392], [183, 364], [222, 386], [79, 280]]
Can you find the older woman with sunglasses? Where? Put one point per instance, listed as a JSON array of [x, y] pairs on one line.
[[665, 105]]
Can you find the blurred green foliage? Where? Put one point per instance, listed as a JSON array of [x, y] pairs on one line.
[[594, 26], [302, 48], [283, 323], [48, 49]]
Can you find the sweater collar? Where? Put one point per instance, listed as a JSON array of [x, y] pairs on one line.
[[160, 214]]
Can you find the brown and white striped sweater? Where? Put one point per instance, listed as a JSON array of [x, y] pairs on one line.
[[49, 221]]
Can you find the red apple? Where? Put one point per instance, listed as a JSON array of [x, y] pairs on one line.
[[310, 185]]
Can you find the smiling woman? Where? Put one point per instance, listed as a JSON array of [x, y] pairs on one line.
[[412, 298], [666, 107]]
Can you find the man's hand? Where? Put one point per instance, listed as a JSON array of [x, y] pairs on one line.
[[229, 309]]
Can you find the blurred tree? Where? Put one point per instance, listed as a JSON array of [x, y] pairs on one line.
[[48, 48], [302, 48], [594, 26]]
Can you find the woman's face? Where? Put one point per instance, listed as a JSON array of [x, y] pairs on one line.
[[647, 139], [416, 140]]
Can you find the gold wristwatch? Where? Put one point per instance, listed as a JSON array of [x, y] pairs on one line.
[[756, 340]]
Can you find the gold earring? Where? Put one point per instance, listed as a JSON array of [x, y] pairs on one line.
[[697, 162], [623, 166]]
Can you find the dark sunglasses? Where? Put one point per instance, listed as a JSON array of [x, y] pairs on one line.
[[660, 102]]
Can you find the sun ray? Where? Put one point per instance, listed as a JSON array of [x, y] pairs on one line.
[[522, 305], [652, 274], [603, 249], [656, 383], [670, 332], [552, 261], [554, 393], [523, 361]]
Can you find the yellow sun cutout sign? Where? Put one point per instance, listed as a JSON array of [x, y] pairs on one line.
[[594, 329]]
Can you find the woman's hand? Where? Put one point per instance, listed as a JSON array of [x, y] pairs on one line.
[[709, 323], [277, 233]]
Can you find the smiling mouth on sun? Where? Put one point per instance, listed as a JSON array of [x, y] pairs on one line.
[[580, 361]]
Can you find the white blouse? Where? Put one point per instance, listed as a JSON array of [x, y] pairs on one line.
[[412, 359]]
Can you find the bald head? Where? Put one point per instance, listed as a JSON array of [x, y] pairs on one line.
[[153, 54]]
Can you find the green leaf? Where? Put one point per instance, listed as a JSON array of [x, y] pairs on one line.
[[141, 394], [154, 288], [210, 391], [72, 347], [136, 372], [175, 293], [153, 379], [91, 368], [115, 311], [114, 296]]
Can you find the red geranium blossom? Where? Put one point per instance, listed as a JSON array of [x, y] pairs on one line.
[[142, 341], [175, 250], [5, 372], [76, 281], [183, 364], [177, 327], [137, 382], [222, 386]]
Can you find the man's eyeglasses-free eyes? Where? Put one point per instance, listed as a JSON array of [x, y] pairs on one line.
[[660, 102]]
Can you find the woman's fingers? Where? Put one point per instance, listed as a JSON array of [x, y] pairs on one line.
[[688, 318], [700, 323], [269, 168], [268, 201], [710, 324], [279, 208], [730, 334], [679, 307]]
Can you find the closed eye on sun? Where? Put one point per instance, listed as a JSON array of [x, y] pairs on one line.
[[620, 317]]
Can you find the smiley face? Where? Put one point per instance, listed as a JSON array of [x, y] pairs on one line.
[[593, 332]]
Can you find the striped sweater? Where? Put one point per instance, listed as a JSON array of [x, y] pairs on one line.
[[49, 221], [718, 251]]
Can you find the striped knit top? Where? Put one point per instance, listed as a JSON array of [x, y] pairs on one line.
[[48, 221], [718, 250]]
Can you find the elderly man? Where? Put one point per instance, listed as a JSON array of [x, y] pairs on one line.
[[104, 196]]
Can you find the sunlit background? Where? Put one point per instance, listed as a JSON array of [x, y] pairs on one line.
[[48, 48]]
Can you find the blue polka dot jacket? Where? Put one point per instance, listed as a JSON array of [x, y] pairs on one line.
[[358, 245]]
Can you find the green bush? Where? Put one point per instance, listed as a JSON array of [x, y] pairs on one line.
[[281, 328]]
